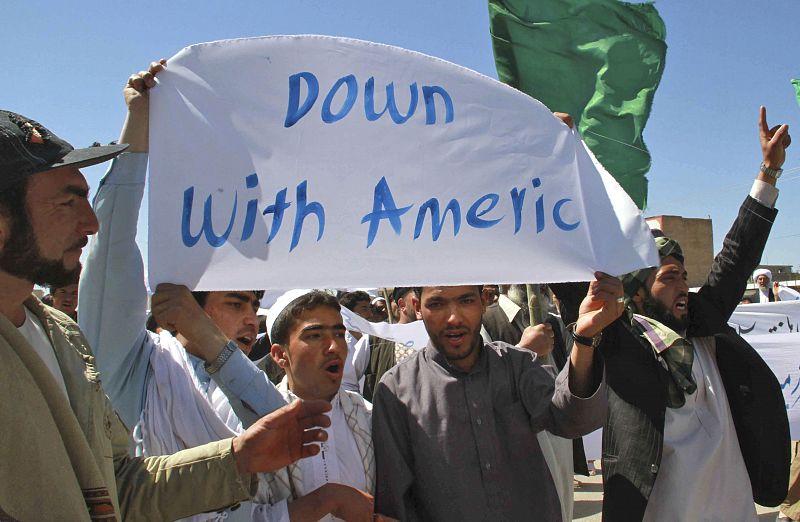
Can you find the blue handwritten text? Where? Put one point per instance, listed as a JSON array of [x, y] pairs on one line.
[[348, 85]]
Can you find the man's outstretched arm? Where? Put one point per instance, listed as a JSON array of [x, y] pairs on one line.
[[113, 297], [218, 474], [744, 243]]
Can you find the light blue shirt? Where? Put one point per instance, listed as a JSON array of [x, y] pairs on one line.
[[113, 308]]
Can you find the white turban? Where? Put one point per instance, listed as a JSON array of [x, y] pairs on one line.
[[760, 272]]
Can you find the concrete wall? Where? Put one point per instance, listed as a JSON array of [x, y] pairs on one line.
[[779, 272]]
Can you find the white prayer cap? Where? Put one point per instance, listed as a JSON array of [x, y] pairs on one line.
[[280, 305], [379, 298], [762, 271]]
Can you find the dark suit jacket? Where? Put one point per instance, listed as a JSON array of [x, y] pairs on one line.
[[381, 359], [501, 329], [637, 383]]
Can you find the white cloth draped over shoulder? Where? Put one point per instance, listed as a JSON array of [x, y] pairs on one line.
[[177, 414]]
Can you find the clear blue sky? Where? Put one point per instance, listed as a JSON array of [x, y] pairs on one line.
[[64, 64]]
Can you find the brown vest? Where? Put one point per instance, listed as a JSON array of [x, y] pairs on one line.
[[381, 359]]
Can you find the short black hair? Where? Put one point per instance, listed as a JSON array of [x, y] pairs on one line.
[[400, 291], [286, 319], [13, 206], [202, 297], [350, 299], [12, 199]]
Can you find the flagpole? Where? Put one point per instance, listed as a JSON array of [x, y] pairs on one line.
[[536, 310]]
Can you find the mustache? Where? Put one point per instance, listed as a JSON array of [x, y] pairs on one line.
[[456, 329], [82, 242]]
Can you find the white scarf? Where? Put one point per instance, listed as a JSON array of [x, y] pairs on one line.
[[177, 414], [284, 483]]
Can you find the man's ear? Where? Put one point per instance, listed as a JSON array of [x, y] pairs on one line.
[[417, 306], [485, 297], [279, 355]]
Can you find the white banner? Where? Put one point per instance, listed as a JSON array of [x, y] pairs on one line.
[[772, 329], [310, 161], [411, 335], [781, 351], [766, 318]]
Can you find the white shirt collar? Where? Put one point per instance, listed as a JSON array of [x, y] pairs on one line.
[[509, 307]]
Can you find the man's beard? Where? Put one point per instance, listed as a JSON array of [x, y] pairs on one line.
[[475, 344], [655, 309], [22, 258]]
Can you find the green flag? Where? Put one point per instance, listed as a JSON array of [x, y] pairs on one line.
[[796, 84], [599, 60]]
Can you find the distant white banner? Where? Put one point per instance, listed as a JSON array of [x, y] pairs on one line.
[[772, 329], [781, 351], [309, 161], [766, 318]]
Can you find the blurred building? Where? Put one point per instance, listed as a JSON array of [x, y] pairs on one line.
[[696, 238], [781, 273]]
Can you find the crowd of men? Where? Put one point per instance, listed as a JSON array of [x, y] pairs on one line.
[[110, 420]]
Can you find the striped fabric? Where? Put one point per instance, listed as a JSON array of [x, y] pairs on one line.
[[676, 352]]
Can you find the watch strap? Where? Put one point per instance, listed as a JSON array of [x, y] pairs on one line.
[[223, 356], [594, 342], [773, 173]]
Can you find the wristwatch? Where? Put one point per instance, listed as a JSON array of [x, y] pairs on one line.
[[223, 356], [773, 173], [594, 342]]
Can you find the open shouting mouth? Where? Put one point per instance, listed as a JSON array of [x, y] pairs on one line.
[[334, 368]]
